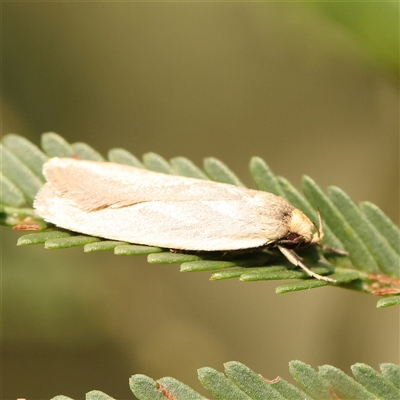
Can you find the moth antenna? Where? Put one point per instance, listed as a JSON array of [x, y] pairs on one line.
[[320, 235], [295, 260]]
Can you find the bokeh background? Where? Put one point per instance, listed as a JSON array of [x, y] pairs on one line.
[[310, 87]]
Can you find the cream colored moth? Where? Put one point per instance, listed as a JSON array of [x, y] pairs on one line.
[[121, 202]]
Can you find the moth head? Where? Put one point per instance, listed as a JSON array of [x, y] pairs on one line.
[[302, 231]]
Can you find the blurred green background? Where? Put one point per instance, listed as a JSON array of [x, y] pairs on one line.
[[310, 87]]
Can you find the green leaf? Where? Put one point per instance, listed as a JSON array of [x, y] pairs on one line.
[[122, 156], [250, 383], [263, 177], [219, 385], [385, 256], [56, 146], [236, 273], [375, 382], [242, 383], [61, 398], [219, 172], [266, 275], [299, 285], [41, 237], [388, 301], [313, 284], [86, 152], [145, 388], [391, 372], [184, 167], [19, 174], [103, 245], [25, 150], [206, 265], [10, 194], [312, 383], [179, 390], [97, 395], [382, 223], [358, 252], [376, 243], [12, 216], [211, 265], [135, 250], [155, 162], [171, 258], [72, 241], [344, 386], [227, 274], [289, 391]]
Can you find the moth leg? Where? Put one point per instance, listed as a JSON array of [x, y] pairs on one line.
[[295, 260], [331, 249]]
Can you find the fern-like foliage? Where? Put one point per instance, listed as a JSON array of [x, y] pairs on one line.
[[239, 382], [371, 239]]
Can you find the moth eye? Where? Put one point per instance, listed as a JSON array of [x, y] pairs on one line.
[[291, 241]]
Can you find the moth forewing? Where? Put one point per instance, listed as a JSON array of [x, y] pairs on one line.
[[125, 203]]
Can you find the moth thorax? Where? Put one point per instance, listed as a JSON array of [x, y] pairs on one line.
[[301, 226]]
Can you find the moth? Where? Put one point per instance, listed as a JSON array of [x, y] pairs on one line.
[[121, 202]]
